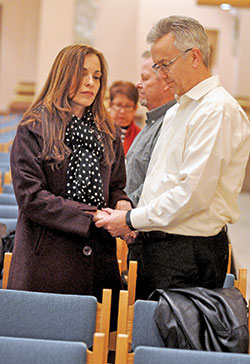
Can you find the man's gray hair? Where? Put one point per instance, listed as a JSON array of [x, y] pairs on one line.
[[188, 32]]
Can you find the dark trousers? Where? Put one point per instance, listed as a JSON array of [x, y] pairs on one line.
[[178, 261]]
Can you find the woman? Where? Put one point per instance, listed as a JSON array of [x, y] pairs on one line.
[[123, 105], [67, 163]]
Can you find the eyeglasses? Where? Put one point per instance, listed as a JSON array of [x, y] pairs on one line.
[[119, 107], [164, 67]]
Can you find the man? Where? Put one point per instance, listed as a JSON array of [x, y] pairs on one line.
[[196, 169], [156, 97]]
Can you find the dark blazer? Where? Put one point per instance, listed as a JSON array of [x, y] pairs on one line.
[[57, 246]]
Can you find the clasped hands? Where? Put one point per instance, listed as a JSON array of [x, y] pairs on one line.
[[115, 221]]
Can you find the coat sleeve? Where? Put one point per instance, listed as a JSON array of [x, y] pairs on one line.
[[39, 190], [118, 174]]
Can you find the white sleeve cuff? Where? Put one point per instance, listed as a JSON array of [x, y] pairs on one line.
[[139, 219]]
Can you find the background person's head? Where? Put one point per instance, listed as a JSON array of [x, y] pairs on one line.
[[180, 50], [123, 102], [153, 91]]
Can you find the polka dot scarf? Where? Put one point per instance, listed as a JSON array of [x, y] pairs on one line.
[[84, 182]]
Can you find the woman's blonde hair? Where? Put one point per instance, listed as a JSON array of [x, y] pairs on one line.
[[52, 108]]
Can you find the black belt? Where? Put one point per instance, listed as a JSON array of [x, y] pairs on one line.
[[155, 235], [161, 235]]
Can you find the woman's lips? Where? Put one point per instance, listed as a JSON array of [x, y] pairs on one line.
[[87, 93]]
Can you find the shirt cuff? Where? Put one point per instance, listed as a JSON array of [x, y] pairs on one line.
[[138, 218]]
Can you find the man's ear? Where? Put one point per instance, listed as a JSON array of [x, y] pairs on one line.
[[196, 57]]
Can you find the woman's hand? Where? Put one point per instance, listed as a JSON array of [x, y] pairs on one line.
[[114, 221], [130, 237], [98, 214], [123, 205]]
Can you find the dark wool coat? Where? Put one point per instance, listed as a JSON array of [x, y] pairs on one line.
[[57, 246]]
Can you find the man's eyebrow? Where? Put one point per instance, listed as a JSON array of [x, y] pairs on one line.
[[163, 60]]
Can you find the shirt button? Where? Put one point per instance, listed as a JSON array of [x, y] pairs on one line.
[[87, 250]]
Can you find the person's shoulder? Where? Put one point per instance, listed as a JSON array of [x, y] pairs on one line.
[[221, 99], [136, 127], [117, 131], [30, 125]]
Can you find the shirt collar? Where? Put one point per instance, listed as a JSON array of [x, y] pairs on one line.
[[154, 114], [199, 90]]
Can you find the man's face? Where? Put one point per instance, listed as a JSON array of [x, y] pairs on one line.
[[150, 86], [179, 75]]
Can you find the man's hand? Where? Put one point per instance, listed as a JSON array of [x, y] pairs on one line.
[[114, 221]]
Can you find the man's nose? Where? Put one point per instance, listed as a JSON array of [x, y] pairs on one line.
[[138, 84]]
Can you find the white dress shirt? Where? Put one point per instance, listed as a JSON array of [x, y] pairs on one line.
[[198, 165]]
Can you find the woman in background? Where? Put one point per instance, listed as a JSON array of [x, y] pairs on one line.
[[123, 104], [67, 163]]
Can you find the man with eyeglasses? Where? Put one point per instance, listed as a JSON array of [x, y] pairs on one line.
[[196, 171]]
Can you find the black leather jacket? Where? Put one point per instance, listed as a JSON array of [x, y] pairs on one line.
[[202, 319]]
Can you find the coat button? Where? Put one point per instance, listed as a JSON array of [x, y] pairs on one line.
[[87, 250]]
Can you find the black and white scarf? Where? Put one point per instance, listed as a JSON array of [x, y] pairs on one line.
[[84, 182]]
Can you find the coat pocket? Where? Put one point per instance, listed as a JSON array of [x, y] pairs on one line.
[[40, 241]]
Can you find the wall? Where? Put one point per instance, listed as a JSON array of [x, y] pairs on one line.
[[33, 31], [18, 56], [116, 36], [211, 18], [55, 32], [242, 86], [122, 27]]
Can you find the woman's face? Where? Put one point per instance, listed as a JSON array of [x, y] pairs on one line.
[[122, 110], [89, 87]]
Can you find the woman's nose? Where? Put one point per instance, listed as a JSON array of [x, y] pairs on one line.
[[89, 81]]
